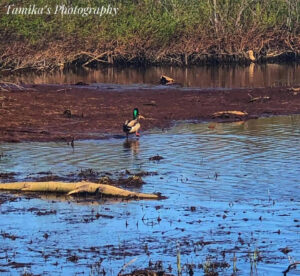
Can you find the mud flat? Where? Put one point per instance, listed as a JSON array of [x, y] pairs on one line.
[[67, 112]]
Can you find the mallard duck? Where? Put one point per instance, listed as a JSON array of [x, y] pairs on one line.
[[165, 80], [133, 126]]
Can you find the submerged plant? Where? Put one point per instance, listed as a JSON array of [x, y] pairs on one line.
[[178, 260], [234, 264], [253, 261], [209, 268]]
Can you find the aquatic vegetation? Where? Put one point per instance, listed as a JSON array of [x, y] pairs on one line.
[[178, 260], [212, 267], [254, 259], [131, 181]]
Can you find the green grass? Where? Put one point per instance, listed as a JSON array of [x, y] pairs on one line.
[[230, 26], [158, 20]]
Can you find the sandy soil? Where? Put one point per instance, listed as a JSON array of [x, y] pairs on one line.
[[61, 113]]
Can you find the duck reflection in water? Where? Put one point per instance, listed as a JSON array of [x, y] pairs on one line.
[[133, 145]]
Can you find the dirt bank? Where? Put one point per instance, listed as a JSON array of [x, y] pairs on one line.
[[61, 113]]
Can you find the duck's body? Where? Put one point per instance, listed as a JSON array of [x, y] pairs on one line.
[[133, 126]]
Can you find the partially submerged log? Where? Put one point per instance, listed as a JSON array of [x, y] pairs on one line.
[[228, 114], [75, 188]]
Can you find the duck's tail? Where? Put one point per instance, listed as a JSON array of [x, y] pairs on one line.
[[126, 128]]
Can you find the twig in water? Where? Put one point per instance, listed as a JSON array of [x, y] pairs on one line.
[[293, 265], [178, 260], [125, 265]]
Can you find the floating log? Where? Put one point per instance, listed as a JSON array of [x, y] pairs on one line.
[[166, 80], [227, 114], [75, 188]]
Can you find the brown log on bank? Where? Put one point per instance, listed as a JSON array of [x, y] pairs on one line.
[[75, 188], [254, 99], [229, 113]]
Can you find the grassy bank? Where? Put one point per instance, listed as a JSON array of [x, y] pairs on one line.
[[149, 31]]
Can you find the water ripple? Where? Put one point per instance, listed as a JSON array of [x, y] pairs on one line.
[[251, 171]]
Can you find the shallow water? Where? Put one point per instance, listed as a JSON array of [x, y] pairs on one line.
[[242, 179], [230, 76]]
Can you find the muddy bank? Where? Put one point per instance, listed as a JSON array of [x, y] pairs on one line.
[[69, 112]]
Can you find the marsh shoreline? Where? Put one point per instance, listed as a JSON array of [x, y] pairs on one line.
[[67, 112]]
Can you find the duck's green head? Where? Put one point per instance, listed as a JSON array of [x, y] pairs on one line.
[[135, 113]]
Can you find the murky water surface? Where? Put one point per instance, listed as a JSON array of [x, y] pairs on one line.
[[232, 190], [197, 76]]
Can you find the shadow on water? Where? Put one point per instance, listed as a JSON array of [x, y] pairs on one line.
[[254, 75], [233, 203]]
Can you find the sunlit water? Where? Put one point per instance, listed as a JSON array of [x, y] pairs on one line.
[[254, 75], [242, 179]]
